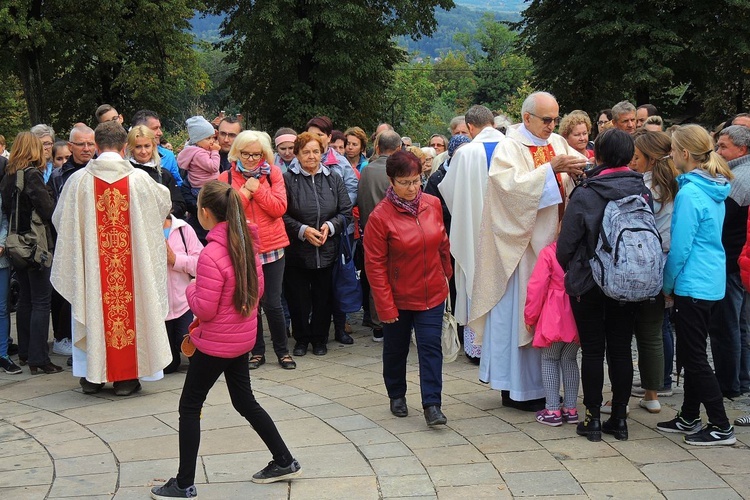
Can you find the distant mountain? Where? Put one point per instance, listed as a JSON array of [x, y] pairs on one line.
[[463, 18]]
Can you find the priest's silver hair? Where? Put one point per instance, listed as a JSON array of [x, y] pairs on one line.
[[529, 104]]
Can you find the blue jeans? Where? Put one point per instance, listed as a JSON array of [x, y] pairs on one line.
[[727, 327], [4, 317], [396, 337]]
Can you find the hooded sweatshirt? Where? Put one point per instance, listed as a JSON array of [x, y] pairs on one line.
[[696, 261], [582, 221]]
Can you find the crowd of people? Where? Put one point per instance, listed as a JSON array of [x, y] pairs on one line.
[[521, 213]]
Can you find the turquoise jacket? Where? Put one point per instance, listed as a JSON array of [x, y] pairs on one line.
[[696, 264]]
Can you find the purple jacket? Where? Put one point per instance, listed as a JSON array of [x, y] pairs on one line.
[[223, 332]]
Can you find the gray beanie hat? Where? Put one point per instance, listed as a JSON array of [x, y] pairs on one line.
[[198, 129]]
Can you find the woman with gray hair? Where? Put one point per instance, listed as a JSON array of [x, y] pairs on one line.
[[260, 184], [46, 134]]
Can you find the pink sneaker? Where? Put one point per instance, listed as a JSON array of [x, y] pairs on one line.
[[547, 417], [570, 416]]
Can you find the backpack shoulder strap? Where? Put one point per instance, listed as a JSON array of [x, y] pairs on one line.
[[182, 235]]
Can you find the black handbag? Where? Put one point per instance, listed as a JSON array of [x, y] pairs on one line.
[[28, 250]]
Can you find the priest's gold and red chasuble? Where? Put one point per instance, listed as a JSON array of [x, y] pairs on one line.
[[116, 273], [542, 155]]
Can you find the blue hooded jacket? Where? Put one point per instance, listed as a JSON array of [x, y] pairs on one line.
[[696, 264]]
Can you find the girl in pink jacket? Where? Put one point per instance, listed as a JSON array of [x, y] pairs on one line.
[[183, 249], [548, 309], [224, 299]]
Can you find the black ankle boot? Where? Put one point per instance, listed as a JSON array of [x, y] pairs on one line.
[[591, 426], [617, 425]]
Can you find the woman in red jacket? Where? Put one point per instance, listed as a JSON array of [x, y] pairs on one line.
[[407, 259], [261, 187]]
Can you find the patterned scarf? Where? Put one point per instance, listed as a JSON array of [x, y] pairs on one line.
[[410, 206], [262, 168]]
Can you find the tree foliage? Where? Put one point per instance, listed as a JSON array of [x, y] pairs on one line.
[[299, 59], [71, 56], [594, 53]]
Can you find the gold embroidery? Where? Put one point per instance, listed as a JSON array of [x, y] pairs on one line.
[[114, 248]]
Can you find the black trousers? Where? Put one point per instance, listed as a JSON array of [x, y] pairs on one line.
[[273, 276], [691, 320], [201, 376], [308, 293], [604, 326]]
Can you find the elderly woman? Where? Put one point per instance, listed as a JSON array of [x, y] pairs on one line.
[[46, 134], [318, 212], [264, 198], [407, 258], [575, 127], [29, 159]]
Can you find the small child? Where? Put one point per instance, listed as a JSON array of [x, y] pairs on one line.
[[183, 249], [200, 158], [224, 299], [548, 309]]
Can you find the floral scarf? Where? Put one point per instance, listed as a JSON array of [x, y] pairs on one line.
[[261, 169], [410, 206]]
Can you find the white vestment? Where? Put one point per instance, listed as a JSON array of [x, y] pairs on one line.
[[463, 190], [520, 218], [76, 268]]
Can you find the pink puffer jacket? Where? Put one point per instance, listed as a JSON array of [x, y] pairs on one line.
[[223, 332]]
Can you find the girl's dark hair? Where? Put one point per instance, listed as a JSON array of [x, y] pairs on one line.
[[607, 112], [322, 122], [226, 205], [614, 148], [402, 164]]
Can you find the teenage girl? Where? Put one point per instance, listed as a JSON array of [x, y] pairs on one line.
[[224, 299]]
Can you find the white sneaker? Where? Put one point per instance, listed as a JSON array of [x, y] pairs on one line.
[[63, 347], [652, 405]]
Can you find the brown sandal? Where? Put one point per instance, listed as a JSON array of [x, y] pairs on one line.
[[287, 362]]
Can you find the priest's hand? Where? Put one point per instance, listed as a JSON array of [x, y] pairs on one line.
[[170, 256], [568, 164]]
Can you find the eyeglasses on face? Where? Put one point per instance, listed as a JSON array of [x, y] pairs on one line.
[[48, 144], [602, 122], [407, 184], [248, 156], [84, 144], [547, 120], [224, 135], [437, 145]]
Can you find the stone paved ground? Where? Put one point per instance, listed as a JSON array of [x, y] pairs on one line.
[[333, 412]]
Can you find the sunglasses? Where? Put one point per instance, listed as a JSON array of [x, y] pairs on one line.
[[548, 120]]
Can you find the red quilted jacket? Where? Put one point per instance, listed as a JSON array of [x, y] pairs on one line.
[[223, 332]]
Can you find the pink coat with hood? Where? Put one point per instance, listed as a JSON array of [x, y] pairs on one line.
[[223, 332], [201, 165], [547, 304], [186, 254]]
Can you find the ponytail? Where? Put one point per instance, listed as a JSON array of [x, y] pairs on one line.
[[226, 205], [695, 140], [656, 146]]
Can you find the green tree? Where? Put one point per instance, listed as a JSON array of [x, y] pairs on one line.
[[453, 76], [298, 59], [71, 56]]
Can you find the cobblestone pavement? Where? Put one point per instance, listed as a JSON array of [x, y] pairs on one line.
[[56, 442]]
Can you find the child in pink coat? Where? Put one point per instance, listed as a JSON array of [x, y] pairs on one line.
[[200, 158], [548, 309], [224, 298], [183, 249]]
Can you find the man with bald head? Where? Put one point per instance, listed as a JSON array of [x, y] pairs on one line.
[[523, 203]]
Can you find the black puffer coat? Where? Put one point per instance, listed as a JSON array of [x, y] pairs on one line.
[[313, 200]]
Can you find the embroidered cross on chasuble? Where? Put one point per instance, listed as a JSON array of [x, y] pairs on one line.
[[116, 274], [542, 155]]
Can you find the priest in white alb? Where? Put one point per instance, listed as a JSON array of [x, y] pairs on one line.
[[463, 189], [529, 179], [111, 265]]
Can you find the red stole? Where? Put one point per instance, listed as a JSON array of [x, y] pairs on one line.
[[542, 155], [116, 274]]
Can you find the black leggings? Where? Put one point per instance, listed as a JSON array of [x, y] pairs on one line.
[[201, 376]]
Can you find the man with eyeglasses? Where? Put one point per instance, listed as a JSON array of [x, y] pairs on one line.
[[463, 190], [528, 183], [439, 143], [229, 129], [82, 149]]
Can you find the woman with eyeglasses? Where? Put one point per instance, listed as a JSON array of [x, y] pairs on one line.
[[318, 212], [603, 122], [46, 134], [260, 184], [407, 258]]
